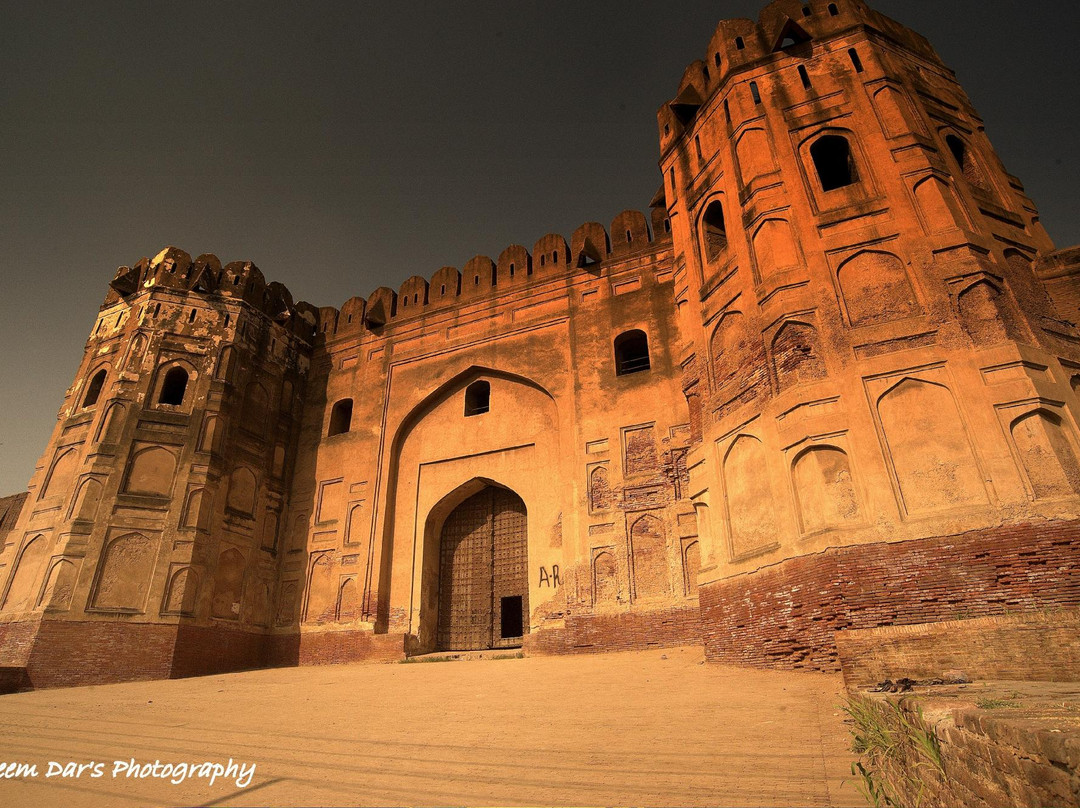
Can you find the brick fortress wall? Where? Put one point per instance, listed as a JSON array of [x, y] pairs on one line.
[[786, 616]]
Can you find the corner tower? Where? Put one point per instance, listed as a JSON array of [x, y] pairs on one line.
[[148, 545], [880, 397]]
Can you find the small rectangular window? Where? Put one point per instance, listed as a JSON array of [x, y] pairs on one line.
[[755, 92], [855, 60]]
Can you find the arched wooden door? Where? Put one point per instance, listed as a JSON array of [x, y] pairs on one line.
[[484, 573]]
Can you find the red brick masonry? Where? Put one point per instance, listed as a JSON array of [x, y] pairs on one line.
[[1025, 646], [625, 631], [786, 616]]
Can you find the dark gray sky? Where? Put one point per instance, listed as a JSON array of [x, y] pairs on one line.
[[346, 145]]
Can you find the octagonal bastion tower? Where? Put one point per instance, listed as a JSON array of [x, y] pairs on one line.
[[828, 383]]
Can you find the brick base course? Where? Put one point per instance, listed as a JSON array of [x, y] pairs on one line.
[[65, 653], [1030, 646], [337, 647], [787, 616], [625, 631]]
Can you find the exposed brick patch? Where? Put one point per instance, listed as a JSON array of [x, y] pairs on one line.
[[205, 650], [68, 653], [16, 641], [1031, 646], [786, 616], [337, 647], [625, 631]]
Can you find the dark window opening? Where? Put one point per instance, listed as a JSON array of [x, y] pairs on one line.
[[705, 72], [832, 159], [191, 317], [405, 302], [340, 417], [697, 147], [716, 59], [805, 77], [755, 92], [714, 230], [442, 289], [739, 44], [629, 237], [727, 112], [956, 146], [476, 280], [174, 387], [511, 270], [554, 258], [855, 60], [416, 297], [512, 620], [667, 129], [93, 390], [542, 257], [833, 10], [226, 320], [236, 280], [667, 225], [157, 308], [477, 398], [806, 11], [631, 353], [968, 166]]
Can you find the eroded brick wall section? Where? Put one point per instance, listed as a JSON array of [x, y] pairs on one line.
[[625, 631], [17, 640], [1030, 646], [203, 650], [68, 653], [786, 616], [336, 647]]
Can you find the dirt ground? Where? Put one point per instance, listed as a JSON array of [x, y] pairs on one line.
[[643, 728]]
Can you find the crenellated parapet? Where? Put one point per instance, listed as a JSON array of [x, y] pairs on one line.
[[590, 250], [481, 279], [173, 269]]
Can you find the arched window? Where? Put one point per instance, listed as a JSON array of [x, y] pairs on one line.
[[964, 159], [714, 230], [631, 353], [93, 390], [174, 387], [833, 10], [340, 417], [477, 398], [832, 159]]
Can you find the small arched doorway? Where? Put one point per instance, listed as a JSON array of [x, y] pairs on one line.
[[484, 573]]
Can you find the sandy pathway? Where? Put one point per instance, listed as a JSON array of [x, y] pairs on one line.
[[616, 729]]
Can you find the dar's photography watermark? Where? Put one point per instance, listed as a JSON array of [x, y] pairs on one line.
[[175, 773]]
